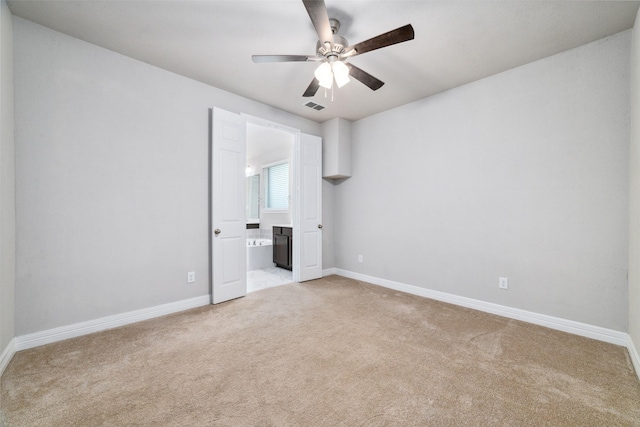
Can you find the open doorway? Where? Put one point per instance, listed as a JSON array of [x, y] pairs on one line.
[[269, 194], [227, 204]]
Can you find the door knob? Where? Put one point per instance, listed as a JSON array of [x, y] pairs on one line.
[[217, 231], [319, 225]]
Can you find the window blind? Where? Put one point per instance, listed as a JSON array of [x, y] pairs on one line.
[[277, 187]]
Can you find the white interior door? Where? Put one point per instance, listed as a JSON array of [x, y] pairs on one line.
[[228, 222], [309, 247]]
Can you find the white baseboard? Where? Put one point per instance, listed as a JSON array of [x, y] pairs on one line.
[[329, 271], [7, 355], [64, 332], [570, 326], [633, 353], [71, 331]]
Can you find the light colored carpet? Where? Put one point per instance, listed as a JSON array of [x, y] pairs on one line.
[[332, 352]]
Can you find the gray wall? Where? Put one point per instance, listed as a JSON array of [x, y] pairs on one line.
[[634, 193], [523, 174], [111, 170], [7, 181]]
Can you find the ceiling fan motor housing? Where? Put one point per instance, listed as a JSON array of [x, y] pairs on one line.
[[339, 46], [333, 50]]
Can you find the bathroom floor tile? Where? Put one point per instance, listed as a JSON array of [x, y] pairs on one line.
[[267, 278]]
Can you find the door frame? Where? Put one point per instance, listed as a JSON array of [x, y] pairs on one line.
[[295, 167]]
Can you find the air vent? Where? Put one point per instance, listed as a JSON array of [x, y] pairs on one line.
[[314, 106]]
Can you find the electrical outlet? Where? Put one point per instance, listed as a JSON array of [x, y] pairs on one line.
[[503, 283], [191, 277], [360, 258]]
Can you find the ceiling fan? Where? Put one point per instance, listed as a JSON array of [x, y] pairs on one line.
[[333, 50]]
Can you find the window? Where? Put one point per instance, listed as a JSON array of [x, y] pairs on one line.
[[276, 186]]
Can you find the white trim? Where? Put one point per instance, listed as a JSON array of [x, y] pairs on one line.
[[255, 120], [570, 326], [71, 331], [633, 353], [64, 332], [7, 355], [329, 271]]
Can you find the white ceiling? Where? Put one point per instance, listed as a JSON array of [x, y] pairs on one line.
[[262, 140], [212, 41]]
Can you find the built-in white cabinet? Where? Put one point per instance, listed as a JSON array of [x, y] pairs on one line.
[[336, 148]]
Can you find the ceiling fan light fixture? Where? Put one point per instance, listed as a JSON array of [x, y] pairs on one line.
[[326, 83], [332, 48], [341, 73], [324, 75]]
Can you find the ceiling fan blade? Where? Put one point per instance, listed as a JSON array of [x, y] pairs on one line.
[[392, 37], [320, 18], [312, 89], [364, 77], [283, 58]]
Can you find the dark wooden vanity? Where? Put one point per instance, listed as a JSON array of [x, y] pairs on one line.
[[282, 247]]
